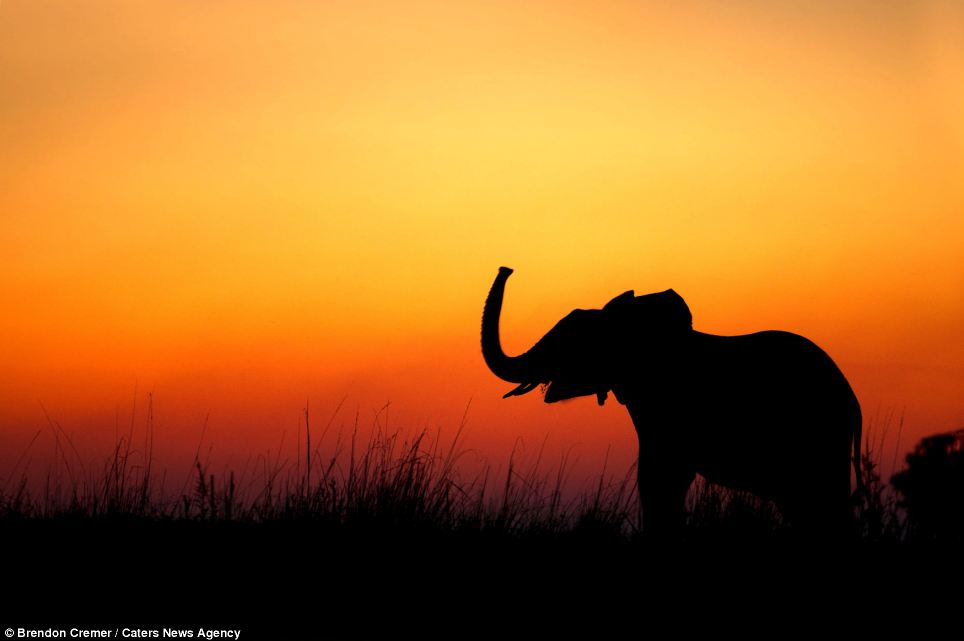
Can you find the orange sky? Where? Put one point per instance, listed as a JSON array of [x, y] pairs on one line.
[[240, 205]]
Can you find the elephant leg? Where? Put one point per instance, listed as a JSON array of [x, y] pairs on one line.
[[822, 511], [662, 495]]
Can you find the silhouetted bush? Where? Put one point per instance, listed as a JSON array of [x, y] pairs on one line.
[[932, 488]]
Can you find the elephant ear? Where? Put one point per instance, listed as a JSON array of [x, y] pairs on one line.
[[635, 323], [621, 301], [674, 309]]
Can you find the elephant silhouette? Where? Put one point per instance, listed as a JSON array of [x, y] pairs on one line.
[[769, 413]]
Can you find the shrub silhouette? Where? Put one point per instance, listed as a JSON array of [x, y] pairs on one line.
[[932, 487]]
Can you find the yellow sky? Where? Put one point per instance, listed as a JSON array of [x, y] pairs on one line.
[[291, 197]]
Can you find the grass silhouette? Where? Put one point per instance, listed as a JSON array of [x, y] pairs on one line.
[[366, 534], [385, 480], [388, 482]]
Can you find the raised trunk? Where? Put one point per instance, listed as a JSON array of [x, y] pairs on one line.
[[513, 369]]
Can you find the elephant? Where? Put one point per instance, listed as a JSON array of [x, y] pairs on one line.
[[769, 413]]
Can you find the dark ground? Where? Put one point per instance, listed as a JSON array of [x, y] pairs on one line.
[[303, 581]]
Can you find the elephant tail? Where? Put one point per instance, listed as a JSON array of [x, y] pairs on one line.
[[858, 436]]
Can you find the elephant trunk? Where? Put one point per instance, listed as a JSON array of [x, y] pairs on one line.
[[517, 369]]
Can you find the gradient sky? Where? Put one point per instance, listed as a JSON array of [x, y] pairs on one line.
[[240, 205]]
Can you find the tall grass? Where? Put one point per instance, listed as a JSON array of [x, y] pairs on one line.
[[387, 480], [382, 480]]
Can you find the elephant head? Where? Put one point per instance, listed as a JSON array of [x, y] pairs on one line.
[[588, 351]]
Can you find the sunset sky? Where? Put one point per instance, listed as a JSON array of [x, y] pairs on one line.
[[238, 206]]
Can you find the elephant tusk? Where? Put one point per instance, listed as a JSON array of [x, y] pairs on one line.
[[521, 389]]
